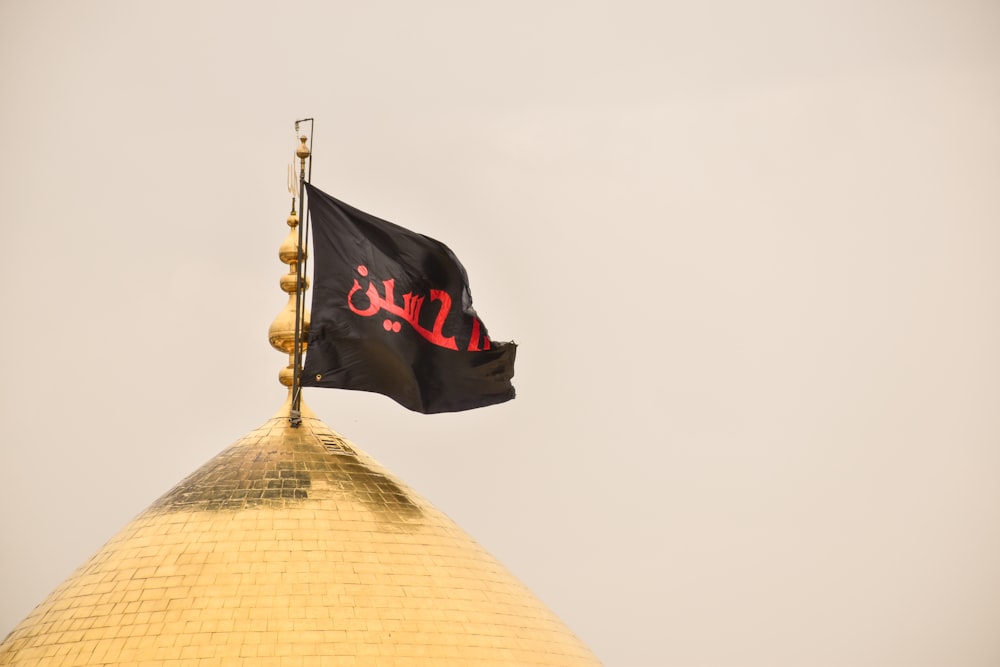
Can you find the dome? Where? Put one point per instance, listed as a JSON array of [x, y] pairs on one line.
[[292, 547]]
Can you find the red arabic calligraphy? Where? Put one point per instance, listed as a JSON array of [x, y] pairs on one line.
[[409, 312]]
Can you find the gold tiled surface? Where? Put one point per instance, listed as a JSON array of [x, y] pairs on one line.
[[292, 549]]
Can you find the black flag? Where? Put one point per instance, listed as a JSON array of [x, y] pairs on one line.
[[392, 313]]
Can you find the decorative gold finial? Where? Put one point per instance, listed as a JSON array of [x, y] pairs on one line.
[[281, 333], [302, 152]]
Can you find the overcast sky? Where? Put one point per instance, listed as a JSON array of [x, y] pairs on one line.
[[750, 252]]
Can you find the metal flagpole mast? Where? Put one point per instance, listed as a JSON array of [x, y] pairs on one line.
[[303, 153]]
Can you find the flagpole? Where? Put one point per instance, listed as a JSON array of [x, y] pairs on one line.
[[303, 153]]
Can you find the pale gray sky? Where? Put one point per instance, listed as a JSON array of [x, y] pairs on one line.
[[750, 252]]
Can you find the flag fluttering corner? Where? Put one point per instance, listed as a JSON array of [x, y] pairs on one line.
[[392, 314]]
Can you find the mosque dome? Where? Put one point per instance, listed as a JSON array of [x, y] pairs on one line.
[[292, 548]]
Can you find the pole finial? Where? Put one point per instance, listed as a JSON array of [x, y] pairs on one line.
[[281, 333], [303, 150], [289, 331]]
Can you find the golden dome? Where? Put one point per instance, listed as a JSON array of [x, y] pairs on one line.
[[293, 548]]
